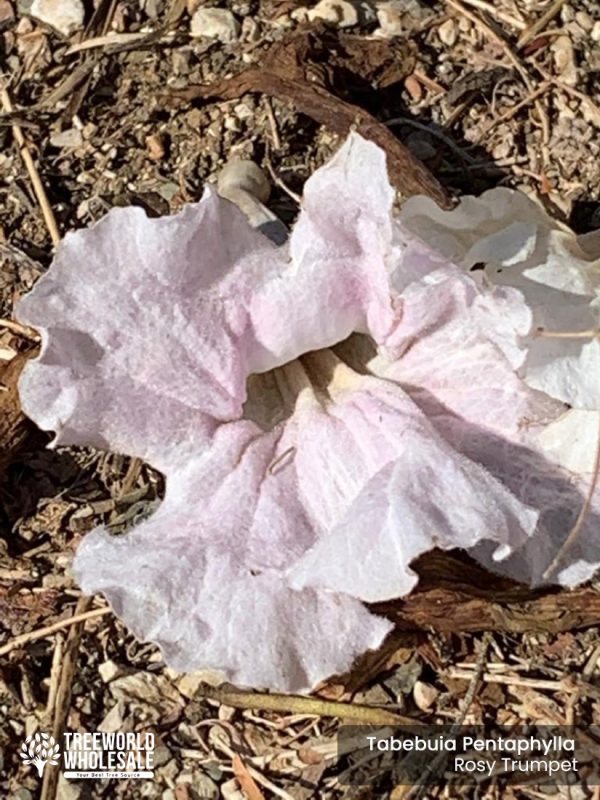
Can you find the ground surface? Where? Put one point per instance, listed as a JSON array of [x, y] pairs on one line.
[[484, 96]]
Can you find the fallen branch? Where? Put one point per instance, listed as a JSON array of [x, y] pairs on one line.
[[296, 704], [407, 173], [456, 595]]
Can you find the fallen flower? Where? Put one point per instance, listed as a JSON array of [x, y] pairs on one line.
[[558, 273], [323, 413]]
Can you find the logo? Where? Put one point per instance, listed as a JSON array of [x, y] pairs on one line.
[[108, 755], [93, 755], [40, 749]]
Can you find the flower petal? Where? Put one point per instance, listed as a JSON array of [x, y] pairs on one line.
[[557, 272], [385, 487], [341, 250], [458, 346], [151, 312], [208, 585]]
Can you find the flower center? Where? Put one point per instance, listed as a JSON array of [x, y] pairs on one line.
[[320, 375]]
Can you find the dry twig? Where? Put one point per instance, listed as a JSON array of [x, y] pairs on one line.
[[41, 633], [63, 692], [494, 11], [296, 704], [38, 186], [512, 57], [508, 115], [532, 31], [20, 330]]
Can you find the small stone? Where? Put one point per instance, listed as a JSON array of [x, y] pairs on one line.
[[204, 786], [113, 721], [215, 23], [584, 20], [189, 684], [298, 14], [170, 771], [567, 14], [155, 146], [390, 21], [230, 790], [109, 671], [341, 12], [242, 111], [66, 16], [564, 59], [425, 695], [72, 137], [448, 32], [232, 124], [502, 149], [168, 190], [162, 754], [596, 31]]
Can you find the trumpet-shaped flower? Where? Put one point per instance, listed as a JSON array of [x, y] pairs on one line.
[[323, 413]]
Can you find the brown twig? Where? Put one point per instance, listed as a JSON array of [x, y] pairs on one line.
[[48, 630], [565, 685], [272, 123], [63, 692], [530, 32], [20, 330], [494, 11], [131, 476], [475, 680], [296, 704], [512, 56], [542, 333], [57, 657], [406, 172], [281, 183], [508, 115], [38, 186]]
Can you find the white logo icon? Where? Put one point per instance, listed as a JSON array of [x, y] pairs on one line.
[[40, 749]]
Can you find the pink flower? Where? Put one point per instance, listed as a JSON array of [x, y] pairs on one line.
[[323, 413]]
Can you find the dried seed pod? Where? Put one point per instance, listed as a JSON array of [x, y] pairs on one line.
[[244, 183]]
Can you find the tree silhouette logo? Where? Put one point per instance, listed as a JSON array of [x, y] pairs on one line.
[[40, 749]]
